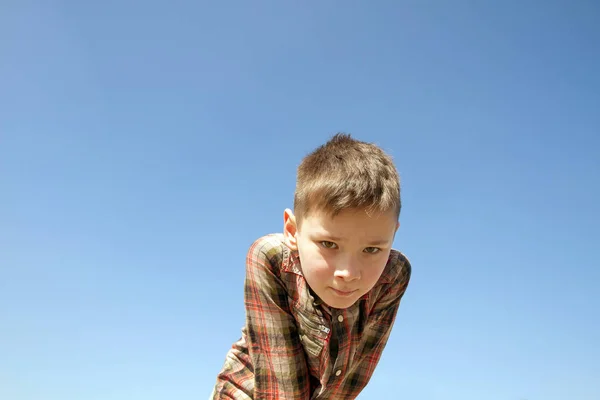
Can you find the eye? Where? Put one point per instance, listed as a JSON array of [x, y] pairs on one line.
[[372, 250], [328, 245]]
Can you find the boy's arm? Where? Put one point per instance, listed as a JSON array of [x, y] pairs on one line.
[[383, 314], [280, 369], [389, 299]]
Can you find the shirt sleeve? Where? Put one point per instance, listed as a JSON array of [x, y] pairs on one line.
[[383, 315], [277, 355], [391, 294]]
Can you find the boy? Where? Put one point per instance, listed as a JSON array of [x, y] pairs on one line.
[[321, 297]]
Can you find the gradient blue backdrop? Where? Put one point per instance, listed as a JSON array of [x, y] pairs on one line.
[[145, 145]]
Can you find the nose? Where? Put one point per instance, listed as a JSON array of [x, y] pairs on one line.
[[348, 270]]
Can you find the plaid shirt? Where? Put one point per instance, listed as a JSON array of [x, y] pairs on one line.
[[293, 346]]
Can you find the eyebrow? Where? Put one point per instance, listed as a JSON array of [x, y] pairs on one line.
[[378, 242]]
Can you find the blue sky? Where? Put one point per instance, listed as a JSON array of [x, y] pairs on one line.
[[145, 145]]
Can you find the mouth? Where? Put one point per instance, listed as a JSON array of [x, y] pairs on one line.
[[343, 293]]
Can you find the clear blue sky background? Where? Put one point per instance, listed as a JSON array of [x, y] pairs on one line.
[[145, 145]]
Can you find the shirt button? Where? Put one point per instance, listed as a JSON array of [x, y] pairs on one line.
[[340, 318], [338, 372]]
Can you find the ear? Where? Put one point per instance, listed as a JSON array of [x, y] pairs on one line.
[[290, 229], [396, 230]]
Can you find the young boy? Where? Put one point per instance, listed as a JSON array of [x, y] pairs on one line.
[[321, 297]]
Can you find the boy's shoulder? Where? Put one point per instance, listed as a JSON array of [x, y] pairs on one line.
[[271, 246], [269, 250], [398, 268]]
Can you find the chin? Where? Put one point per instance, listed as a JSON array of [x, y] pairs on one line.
[[340, 303]]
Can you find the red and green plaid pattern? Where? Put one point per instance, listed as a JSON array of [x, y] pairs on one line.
[[293, 346]]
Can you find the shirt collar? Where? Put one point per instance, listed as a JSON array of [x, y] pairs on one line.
[[291, 261], [291, 264]]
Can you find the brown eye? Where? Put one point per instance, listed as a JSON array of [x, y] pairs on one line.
[[328, 245], [372, 250]]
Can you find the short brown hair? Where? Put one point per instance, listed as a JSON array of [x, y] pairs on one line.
[[346, 173]]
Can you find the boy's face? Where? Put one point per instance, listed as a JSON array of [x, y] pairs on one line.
[[341, 257]]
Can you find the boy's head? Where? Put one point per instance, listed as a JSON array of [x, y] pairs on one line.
[[346, 209], [344, 174]]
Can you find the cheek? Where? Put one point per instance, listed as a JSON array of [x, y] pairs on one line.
[[373, 271], [315, 262]]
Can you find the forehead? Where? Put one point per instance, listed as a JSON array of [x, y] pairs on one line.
[[350, 223]]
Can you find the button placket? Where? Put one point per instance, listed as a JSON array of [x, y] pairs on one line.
[[337, 369]]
